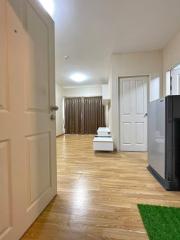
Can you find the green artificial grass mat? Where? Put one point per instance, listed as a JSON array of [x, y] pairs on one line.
[[161, 223]]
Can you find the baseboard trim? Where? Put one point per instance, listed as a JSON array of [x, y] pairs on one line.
[[60, 135], [168, 185]]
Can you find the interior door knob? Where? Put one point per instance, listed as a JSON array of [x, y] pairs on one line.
[[146, 114]]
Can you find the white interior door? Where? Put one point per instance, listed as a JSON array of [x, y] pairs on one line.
[[27, 133], [133, 114]]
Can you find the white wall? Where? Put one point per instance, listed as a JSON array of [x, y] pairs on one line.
[[171, 57], [59, 113], [83, 91], [131, 64]]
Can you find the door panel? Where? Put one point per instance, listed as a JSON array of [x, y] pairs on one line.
[[139, 129], [133, 106], [126, 87], [5, 190], [127, 130], [38, 155], [139, 92], [37, 84], [3, 58]]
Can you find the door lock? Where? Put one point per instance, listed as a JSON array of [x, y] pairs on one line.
[[54, 108], [53, 117]]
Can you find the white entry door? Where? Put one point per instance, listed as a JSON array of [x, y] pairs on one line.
[[27, 133], [133, 114]]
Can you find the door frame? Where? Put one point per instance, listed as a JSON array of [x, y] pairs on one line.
[[119, 96]]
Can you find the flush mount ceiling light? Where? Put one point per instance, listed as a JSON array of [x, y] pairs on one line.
[[48, 6], [78, 77]]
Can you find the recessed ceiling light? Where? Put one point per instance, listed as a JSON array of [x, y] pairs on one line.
[[78, 77], [48, 6]]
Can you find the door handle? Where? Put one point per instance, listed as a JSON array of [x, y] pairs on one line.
[[54, 108], [53, 115], [146, 114]]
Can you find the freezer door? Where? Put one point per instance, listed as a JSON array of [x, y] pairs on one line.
[[156, 136]]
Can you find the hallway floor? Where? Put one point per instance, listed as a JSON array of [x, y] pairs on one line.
[[98, 195]]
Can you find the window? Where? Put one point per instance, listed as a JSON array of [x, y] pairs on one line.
[[175, 78], [173, 81], [168, 83]]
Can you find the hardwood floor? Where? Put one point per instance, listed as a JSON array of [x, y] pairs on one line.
[[98, 195]]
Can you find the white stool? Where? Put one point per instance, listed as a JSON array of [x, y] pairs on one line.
[[103, 144]]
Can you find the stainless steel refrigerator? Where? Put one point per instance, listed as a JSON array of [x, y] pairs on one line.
[[164, 141]]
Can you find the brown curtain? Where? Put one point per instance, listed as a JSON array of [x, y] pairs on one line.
[[73, 110], [94, 114], [84, 115]]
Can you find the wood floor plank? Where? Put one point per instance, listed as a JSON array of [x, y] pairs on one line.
[[98, 195]]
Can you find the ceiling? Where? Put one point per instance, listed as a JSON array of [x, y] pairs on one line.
[[89, 31]]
